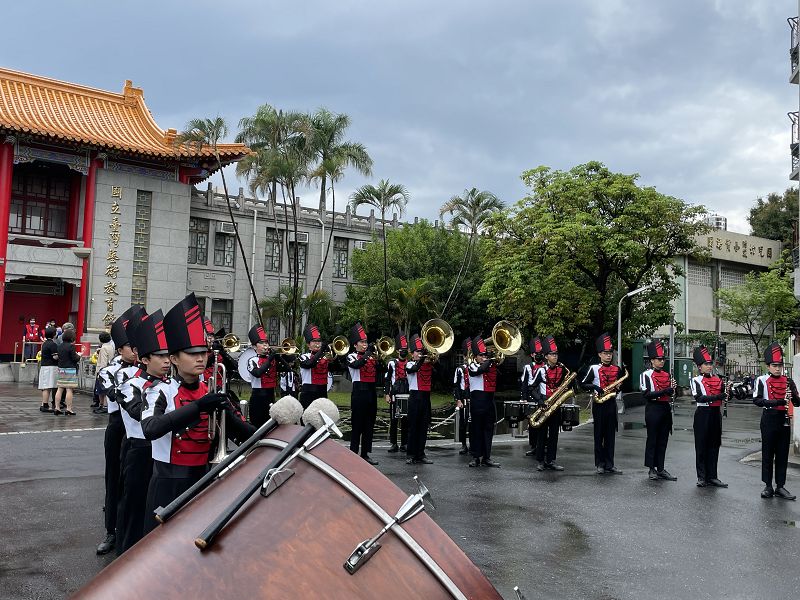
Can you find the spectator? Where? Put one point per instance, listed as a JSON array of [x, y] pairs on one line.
[[104, 355], [48, 371], [31, 336], [68, 361]]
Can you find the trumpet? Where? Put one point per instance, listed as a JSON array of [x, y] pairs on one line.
[[337, 348], [437, 336], [216, 420], [506, 340]]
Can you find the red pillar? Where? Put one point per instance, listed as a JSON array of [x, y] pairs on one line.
[[6, 172], [88, 229]]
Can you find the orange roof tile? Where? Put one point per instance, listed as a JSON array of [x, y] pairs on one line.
[[67, 111]]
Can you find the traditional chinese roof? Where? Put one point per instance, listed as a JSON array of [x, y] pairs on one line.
[[56, 110]]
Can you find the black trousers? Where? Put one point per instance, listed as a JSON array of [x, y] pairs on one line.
[[774, 446], [658, 419], [605, 433], [112, 443], [395, 423], [547, 441], [481, 430], [167, 483], [707, 428], [364, 409], [463, 422], [310, 392], [419, 419], [137, 468], [260, 401]]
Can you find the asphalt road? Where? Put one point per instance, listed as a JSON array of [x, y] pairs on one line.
[[556, 535]]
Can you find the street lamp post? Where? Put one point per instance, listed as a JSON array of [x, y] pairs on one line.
[[619, 320]]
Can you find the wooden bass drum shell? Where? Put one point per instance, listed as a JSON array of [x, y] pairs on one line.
[[293, 543]]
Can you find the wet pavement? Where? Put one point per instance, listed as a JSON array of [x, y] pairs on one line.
[[555, 535]]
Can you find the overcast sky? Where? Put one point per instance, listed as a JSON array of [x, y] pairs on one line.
[[447, 95]]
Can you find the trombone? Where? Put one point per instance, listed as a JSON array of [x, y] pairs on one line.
[[287, 346], [506, 340], [229, 343], [437, 336]]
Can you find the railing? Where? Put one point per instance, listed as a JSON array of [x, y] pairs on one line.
[[33, 240], [796, 257], [736, 371], [794, 26]]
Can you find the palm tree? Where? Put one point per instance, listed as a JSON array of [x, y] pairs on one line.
[[469, 213], [332, 155], [201, 133], [412, 302], [385, 197], [317, 308]]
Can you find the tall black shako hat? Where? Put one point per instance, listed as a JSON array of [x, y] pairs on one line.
[[118, 333], [416, 345], [401, 344], [603, 343], [466, 346], [535, 346], [184, 327], [131, 329], [701, 355], [549, 345], [311, 333], [655, 349], [256, 335], [150, 337], [479, 346], [357, 334], [773, 353]]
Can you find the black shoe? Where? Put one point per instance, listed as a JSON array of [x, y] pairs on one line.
[[411, 461], [100, 410], [652, 476], [553, 466], [425, 460], [69, 413], [107, 545], [94, 405], [403, 448], [370, 460], [490, 463], [600, 471], [767, 492], [614, 471], [56, 412], [540, 466], [664, 474], [475, 463], [393, 449], [701, 482], [717, 483], [531, 452], [464, 450], [45, 408], [782, 492]]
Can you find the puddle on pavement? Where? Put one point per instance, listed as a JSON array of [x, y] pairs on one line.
[[790, 523]]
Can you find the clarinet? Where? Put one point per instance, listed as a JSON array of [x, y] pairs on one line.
[[787, 421]]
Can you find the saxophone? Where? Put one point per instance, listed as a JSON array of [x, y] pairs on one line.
[[611, 390], [561, 395]]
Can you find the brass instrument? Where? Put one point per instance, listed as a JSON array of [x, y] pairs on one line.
[[385, 347], [610, 391], [338, 347], [506, 340], [287, 346], [229, 343], [437, 337], [216, 420], [559, 397]]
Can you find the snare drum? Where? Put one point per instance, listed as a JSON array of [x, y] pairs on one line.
[[516, 411], [570, 416], [400, 405]]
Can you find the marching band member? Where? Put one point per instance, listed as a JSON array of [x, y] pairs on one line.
[[772, 392], [363, 399], [175, 414], [708, 391], [419, 371], [482, 385], [115, 430], [461, 395], [526, 385], [263, 369], [546, 381], [396, 382], [604, 415], [314, 367], [657, 390]]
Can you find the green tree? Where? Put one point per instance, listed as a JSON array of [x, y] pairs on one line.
[[317, 307], [469, 214], [413, 302], [560, 260], [776, 217], [385, 197], [764, 300]]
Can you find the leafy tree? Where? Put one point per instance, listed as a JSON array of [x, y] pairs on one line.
[[385, 197], [776, 217], [765, 299], [560, 260], [317, 307], [413, 302], [469, 214]]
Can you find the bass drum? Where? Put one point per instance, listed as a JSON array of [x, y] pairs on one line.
[[294, 543], [242, 364]]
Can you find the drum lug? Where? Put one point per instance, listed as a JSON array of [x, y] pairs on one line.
[[361, 555], [275, 479]]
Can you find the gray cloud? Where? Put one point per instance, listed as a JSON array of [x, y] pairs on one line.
[[691, 94]]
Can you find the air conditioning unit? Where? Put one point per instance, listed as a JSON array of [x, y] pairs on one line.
[[302, 237], [361, 244], [226, 227]]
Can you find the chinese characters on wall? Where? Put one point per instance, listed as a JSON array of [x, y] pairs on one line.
[[735, 247], [112, 258]]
